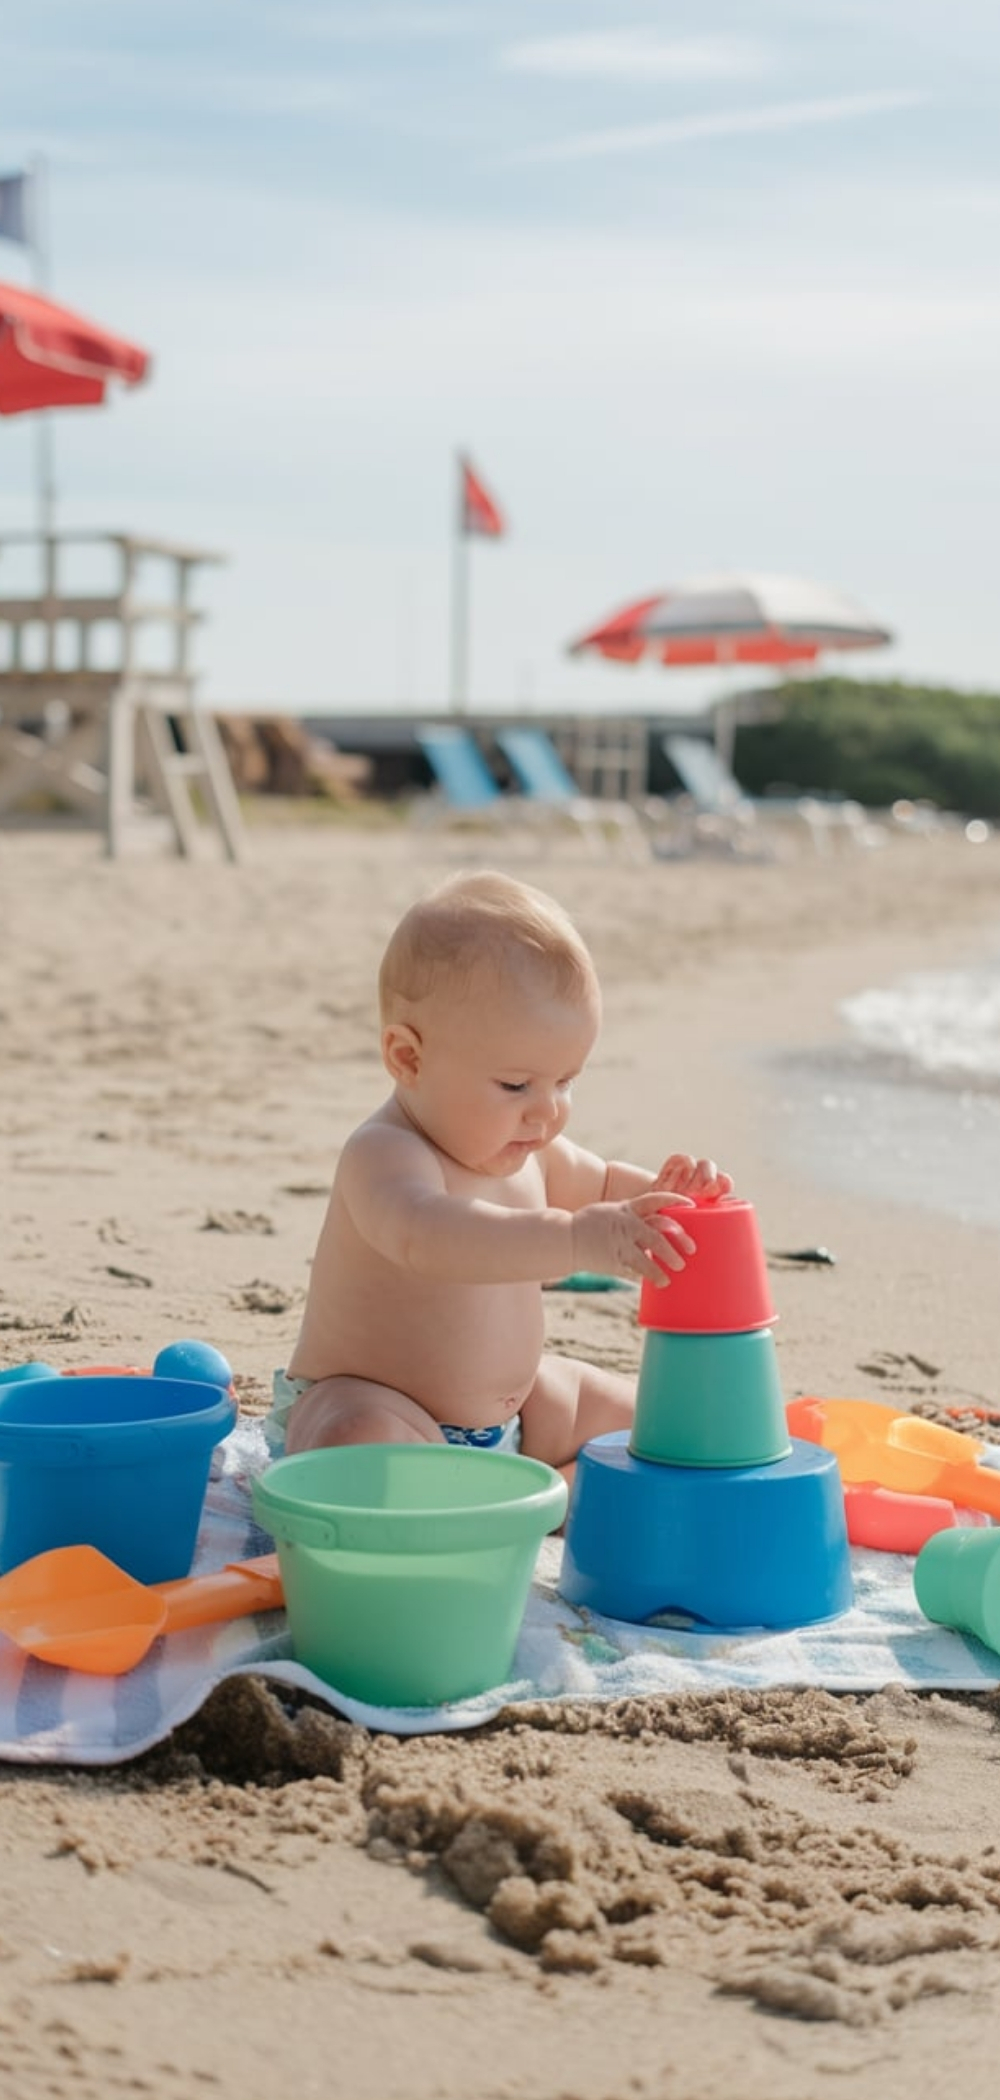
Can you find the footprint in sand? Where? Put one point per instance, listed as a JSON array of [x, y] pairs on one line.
[[264, 1298], [894, 1369]]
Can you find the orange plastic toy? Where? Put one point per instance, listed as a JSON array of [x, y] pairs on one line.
[[896, 1523], [76, 1607], [878, 1446]]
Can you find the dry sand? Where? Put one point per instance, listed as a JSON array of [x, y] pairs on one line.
[[742, 1895]]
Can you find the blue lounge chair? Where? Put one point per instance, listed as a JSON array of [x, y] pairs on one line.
[[543, 777], [467, 795], [464, 779]]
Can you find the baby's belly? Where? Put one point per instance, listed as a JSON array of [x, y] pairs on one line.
[[468, 1355]]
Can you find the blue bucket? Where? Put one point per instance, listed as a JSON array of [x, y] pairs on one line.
[[117, 1463]]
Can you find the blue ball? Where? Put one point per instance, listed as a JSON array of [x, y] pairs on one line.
[[33, 1370], [197, 1360]]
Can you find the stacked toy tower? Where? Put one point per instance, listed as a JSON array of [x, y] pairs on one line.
[[709, 1512]]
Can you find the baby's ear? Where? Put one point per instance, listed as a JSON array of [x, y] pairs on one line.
[[402, 1051]]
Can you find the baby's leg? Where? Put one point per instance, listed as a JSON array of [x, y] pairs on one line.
[[355, 1411], [568, 1404]]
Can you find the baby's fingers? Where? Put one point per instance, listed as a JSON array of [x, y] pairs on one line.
[[651, 1266], [652, 1200], [708, 1183], [676, 1173], [669, 1233], [670, 1247], [648, 1254], [681, 1174]]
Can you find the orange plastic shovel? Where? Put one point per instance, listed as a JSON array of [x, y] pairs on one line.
[[873, 1442], [76, 1607]]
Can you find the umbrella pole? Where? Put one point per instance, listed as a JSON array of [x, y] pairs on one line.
[[724, 713], [45, 476]]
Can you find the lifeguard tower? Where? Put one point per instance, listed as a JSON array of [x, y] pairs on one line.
[[98, 703]]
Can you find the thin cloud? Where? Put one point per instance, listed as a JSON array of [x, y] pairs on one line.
[[775, 116], [633, 54]]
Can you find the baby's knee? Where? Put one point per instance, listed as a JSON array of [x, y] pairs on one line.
[[328, 1416], [368, 1425]]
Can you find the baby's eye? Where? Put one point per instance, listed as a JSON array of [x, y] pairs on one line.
[[513, 1086]]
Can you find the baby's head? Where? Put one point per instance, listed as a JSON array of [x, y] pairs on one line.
[[490, 1006], [484, 933]]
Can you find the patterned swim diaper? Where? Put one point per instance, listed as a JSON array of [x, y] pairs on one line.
[[284, 1393], [502, 1436]]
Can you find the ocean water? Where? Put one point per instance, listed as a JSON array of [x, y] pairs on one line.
[[907, 1105]]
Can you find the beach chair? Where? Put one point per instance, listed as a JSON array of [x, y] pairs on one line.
[[466, 795], [465, 783], [721, 815], [718, 812], [546, 782]]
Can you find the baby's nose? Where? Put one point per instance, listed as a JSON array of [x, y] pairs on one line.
[[539, 1114]]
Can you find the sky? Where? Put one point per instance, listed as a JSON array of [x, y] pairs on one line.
[[698, 287]]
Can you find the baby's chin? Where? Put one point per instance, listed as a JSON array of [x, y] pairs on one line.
[[502, 1167], [508, 1162]]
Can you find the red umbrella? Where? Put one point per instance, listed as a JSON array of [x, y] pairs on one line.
[[735, 620], [52, 358]]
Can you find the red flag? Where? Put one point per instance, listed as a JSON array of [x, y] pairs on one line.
[[479, 513]]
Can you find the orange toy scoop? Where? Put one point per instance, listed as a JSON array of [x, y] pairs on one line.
[[878, 1444], [75, 1607]]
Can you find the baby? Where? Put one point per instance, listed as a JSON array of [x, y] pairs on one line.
[[461, 1196]]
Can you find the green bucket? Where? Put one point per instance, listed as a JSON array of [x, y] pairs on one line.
[[406, 1567]]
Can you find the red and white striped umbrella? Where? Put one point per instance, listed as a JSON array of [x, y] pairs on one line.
[[53, 358], [735, 620]]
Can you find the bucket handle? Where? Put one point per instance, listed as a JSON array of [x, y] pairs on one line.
[[302, 1530]]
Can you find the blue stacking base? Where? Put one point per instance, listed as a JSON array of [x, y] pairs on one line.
[[734, 1547]]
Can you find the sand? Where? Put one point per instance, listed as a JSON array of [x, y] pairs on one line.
[[738, 1895]]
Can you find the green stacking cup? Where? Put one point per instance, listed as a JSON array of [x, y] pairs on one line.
[[957, 1581], [710, 1400]]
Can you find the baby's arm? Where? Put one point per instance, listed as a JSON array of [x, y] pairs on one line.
[[393, 1186], [574, 1177]]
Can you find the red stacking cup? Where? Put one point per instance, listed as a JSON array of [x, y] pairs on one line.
[[723, 1286]]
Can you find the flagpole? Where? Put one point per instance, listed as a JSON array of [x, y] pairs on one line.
[[44, 442], [459, 681]]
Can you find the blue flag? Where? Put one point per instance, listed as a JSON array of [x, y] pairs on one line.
[[14, 191]]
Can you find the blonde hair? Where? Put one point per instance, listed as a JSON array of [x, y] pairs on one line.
[[481, 921]]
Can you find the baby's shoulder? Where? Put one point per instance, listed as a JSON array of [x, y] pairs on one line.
[[384, 1142], [386, 1125]]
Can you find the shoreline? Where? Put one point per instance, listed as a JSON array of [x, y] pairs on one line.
[[776, 1894], [868, 1120]]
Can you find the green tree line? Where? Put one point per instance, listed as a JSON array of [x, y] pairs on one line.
[[876, 742]]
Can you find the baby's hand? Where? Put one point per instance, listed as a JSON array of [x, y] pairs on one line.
[[684, 1176], [630, 1239]]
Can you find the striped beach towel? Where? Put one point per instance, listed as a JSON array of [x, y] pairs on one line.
[[54, 1716]]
